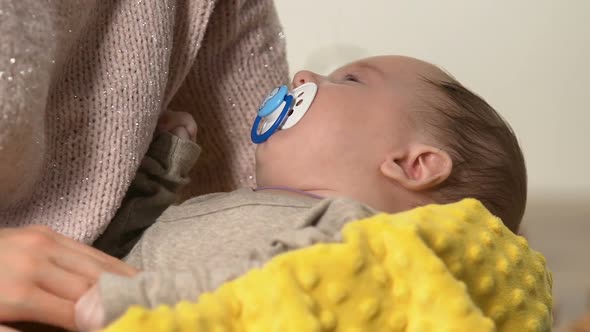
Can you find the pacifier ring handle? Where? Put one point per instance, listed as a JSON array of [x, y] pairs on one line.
[[261, 138]]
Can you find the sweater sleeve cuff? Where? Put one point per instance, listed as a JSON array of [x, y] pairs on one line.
[[175, 154]]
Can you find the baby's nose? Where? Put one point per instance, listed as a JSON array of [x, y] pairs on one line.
[[304, 76]]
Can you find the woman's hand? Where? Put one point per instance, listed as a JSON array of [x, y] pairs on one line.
[[43, 274]]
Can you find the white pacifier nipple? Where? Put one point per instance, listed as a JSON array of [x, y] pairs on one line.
[[303, 96], [282, 110]]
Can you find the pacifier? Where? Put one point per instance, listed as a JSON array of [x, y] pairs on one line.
[[282, 109]]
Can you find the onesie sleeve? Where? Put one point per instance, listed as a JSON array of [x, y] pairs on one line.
[[150, 288], [162, 173]]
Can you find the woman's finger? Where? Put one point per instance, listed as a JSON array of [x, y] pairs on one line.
[[84, 252], [50, 309], [7, 329], [92, 264], [62, 283], [42, 307], [84, 266]]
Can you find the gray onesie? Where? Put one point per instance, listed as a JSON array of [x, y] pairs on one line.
[[196, 246]]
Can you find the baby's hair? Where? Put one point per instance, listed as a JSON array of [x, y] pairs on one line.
[[488, 163]]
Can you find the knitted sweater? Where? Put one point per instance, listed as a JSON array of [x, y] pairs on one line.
[[82, 84]]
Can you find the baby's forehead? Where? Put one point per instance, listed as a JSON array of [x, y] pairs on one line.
[[400, 69]]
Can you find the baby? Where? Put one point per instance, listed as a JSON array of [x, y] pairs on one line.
[[387, 133]]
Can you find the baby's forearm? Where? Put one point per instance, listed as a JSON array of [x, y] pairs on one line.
[[113, 294], [161, 175]]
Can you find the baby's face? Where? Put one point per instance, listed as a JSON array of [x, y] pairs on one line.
[[359, 114]]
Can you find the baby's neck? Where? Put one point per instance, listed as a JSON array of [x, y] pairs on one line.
[[285, 190]]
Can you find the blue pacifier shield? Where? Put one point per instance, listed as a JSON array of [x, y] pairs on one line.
[[273, 101]]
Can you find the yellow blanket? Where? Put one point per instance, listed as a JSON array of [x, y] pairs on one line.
[[435, 268]]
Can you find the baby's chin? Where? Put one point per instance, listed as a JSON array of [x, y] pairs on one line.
[[281, 147], [272, 142]]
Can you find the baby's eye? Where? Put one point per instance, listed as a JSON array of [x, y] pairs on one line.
[[351, 78]]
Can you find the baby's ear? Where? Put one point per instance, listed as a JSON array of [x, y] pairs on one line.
[[420, 167]]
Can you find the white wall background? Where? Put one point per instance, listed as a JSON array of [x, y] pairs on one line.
[[530, 59]]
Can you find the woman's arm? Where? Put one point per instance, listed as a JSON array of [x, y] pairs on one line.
[[25, 69], [241, 59]]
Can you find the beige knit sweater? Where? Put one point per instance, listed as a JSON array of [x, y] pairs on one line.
[[82, 84]]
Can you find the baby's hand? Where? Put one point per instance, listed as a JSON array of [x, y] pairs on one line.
[[89, 311], [180, 124]]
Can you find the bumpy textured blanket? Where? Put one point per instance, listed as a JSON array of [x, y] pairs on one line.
[[448, 267]]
